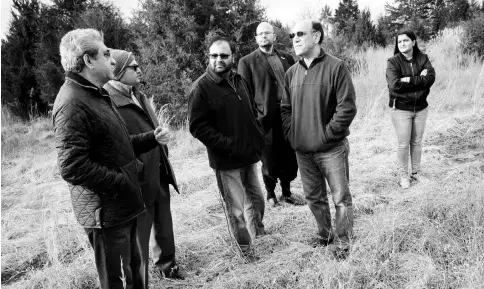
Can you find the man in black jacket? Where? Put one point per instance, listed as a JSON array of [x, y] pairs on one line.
[[97, 158], [264, 70], [222, 116], [157, 174]]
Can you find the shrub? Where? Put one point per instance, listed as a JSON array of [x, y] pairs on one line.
[[473, 39]]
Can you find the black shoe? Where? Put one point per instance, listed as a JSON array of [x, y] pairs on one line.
[[341, 254], [321, 242], [172, 271], [295, 200], [272, 202]]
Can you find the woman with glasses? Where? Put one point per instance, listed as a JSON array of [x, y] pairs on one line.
[[409, 76]]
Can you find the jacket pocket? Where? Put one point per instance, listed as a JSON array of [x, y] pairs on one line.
[[130, 173]]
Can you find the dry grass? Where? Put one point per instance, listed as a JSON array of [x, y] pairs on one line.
[[429, 236]]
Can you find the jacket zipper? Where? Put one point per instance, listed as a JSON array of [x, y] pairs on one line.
[[242, 103], [413, 74], [127, 134]]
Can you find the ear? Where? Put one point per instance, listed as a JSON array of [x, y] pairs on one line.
[[87, 61]]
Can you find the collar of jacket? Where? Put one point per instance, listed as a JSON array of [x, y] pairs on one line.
[[124, 96], [320, 57], [81, 81], [265, 54], [216, 77], [403, 58]]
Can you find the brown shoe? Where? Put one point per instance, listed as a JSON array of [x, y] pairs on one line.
[[295, 200]]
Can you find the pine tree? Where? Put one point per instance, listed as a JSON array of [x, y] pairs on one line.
[[345, 18], [20, 92]]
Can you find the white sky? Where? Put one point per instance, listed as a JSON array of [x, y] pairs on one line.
[[285, 10]]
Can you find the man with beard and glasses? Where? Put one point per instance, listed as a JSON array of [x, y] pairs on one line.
[[223, 116], [264, 70]]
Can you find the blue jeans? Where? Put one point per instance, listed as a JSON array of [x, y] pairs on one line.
[[242, 193], [410, 127], [331, 165]]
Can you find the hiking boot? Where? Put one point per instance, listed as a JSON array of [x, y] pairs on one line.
[[404, 182]]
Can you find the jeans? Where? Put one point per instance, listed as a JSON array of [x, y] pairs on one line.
[[111, 246], [156, 224], [410, 127], [331, 165], [242, 195]]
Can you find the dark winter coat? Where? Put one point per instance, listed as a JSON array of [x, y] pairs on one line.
[[258, 72], [223, 116], [411, 96], [156, 166], [96, 155]]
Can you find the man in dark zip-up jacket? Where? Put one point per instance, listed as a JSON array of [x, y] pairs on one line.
[[223, 116], [97, 158], [317, 109]]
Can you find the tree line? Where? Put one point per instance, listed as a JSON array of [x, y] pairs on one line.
[[170, 39]]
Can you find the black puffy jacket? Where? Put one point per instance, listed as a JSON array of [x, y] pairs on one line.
[[410, 96], [96, 155]]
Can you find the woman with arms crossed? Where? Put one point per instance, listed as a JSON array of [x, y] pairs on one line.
[[409, 76]]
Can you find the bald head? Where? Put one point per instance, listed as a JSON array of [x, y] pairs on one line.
[[265, 36]]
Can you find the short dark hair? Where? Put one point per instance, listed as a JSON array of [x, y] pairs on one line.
[[218, 38], [410, 35], [318, 27]]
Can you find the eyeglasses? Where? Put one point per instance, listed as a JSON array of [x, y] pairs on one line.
[[263, 33], [299, 34], [222, 55], [134, 66]]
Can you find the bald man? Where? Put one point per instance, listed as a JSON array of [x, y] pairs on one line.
[[264, 70], [317, 110]]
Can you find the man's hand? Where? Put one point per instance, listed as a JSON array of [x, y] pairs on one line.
[[424, 72], [162, 135]]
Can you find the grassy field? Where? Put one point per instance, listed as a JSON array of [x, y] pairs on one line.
[[429, 236]]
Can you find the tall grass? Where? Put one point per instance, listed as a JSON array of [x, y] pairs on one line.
[[429, 236], [459, 78]]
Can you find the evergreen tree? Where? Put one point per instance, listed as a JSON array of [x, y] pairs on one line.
[[365, 30], [345, 18], [20, 92]]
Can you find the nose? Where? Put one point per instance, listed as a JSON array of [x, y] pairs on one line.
[[113, 62]]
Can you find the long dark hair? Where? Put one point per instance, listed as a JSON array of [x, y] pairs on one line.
[[410, 35]]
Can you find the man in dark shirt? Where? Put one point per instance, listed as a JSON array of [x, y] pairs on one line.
[[222, 116], [264, 70]]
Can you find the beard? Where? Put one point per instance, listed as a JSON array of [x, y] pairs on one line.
[[226, 67]]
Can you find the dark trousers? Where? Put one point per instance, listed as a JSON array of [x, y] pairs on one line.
[[117, 256], [156, 224], [278, 161]]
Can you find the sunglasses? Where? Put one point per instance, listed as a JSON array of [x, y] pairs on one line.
[[134, 67], [299, 34], [222, 55]]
